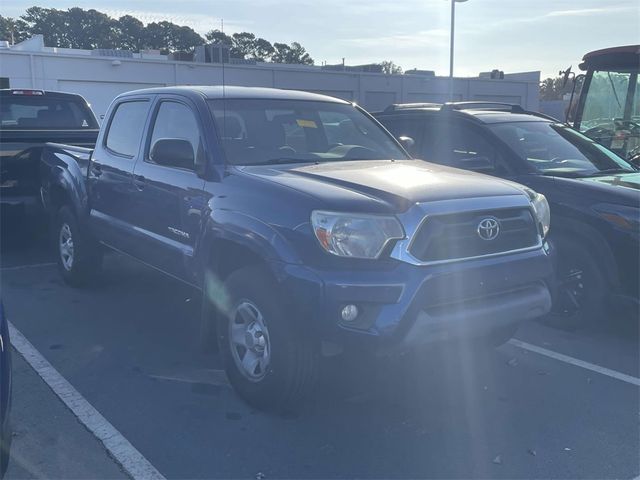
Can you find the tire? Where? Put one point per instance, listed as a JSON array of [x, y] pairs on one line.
[[79, 259], [580, 295], [501, 335], [280, 362]]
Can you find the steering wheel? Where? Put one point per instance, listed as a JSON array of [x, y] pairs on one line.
[[361, 153], [287, 148], [628, 123], [599, 132], [558, 160]]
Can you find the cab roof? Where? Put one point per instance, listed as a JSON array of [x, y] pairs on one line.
[[616, 58], [483, 112], [216, 92]]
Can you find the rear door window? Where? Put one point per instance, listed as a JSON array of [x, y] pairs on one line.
[[459, 144], [126, 127]]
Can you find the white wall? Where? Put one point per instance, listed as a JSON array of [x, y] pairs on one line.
[[100, 79]]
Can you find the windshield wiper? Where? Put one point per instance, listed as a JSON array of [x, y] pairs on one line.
[[615, 92], [560, 173], [283, 160]]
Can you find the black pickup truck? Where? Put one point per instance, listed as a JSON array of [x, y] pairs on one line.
[[28, 120], [308, 228]]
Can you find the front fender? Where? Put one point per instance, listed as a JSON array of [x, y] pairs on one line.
[[244, 230]]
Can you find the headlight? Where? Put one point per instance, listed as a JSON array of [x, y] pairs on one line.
[[622, 216], [355, 235], [541, 208]]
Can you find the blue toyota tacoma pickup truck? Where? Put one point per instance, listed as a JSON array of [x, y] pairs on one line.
[[307, 227]]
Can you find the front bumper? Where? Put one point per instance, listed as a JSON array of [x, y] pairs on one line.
[[404, 306]]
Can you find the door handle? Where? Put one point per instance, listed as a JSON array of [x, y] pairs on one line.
[[96, 169], [139, 181]]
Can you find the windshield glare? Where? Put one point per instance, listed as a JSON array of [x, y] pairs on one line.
[[556, 149], [259, 132]]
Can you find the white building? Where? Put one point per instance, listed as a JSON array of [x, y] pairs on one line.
[[100, 78]]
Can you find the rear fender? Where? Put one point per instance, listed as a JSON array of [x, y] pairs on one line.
[[63, 172]]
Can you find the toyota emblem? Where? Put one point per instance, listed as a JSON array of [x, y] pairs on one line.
[[488, 228]]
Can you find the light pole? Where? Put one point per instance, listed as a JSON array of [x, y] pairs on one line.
[[453, 23]]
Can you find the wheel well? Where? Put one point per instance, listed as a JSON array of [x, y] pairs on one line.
[[226, 257], [594, 242], [58, 197], [230, 256]]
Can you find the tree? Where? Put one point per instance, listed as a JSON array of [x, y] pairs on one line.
[[390, 68], [89, 29], [48, 22], [186, 39], [169, 37], [553, 88], [262, 50], [74, 28], [294, 53], [12, 30], [130, 33], [216, 36], [243, 45]]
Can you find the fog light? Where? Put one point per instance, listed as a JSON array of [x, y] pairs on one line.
[[349, 313]]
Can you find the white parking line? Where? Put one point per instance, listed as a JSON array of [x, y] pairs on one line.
[[21, 267], [131, 460], [578, 363]]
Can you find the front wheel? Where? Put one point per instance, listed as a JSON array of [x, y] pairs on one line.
[[78, 258], [268, 359]]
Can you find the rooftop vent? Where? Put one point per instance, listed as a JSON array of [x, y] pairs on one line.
[[110, 52]]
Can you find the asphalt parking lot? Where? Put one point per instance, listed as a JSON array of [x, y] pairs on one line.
[[128, 346]]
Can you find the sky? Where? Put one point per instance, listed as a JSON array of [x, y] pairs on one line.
[[510, 35]]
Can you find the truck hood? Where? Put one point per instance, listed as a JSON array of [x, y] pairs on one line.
[[623, 189], [382, 185], [625, 180]]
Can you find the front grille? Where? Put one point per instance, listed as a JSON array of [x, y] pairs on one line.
[[455, 236]]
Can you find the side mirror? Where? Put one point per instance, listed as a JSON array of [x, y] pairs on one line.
[[407, 142], [173, 152]]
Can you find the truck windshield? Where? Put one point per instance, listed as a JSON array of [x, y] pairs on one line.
[[260, 131], [44, 112], [607, 97], [611, 111], [554, 149]]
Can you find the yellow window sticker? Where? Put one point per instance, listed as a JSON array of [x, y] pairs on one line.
[[306, 123]]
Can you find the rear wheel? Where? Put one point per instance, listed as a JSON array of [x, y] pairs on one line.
[[268, 360], [580, 293], [78, 258]]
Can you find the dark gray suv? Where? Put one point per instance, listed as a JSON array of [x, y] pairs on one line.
[[593, 193]]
